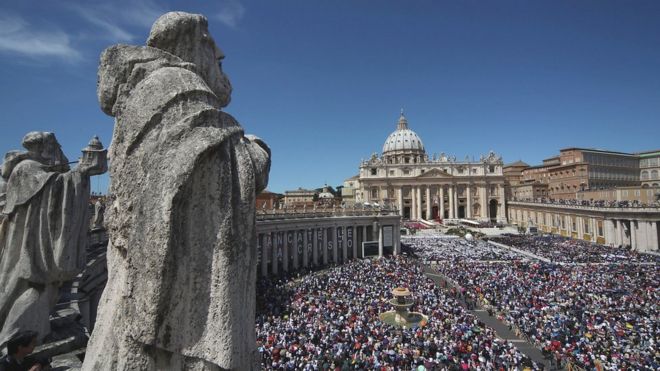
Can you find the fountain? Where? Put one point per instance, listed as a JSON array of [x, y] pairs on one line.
[[401, 316]]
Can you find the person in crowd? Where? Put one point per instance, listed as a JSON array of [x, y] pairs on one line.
[[19, 347]]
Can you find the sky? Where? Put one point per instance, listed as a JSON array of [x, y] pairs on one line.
[[322, 82]]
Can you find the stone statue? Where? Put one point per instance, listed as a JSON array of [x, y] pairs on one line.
[[99, 211], [181, 218], [43, 232]]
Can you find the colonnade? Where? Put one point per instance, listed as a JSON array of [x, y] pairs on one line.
[[290, 244], [634, 227]]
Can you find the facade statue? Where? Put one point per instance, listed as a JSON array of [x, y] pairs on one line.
[[43, 231], [181, 214]]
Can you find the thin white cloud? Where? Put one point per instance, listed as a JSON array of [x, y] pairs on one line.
[[141, 13], [97, 17], [18, 37], [231, 12]]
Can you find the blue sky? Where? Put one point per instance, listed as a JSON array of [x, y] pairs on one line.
[[323, 81]]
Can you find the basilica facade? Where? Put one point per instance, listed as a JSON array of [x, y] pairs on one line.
[[424, 187]]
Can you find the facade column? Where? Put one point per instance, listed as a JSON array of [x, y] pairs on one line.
[[428, 203], [441, 207], [400, 199], [419, 203], [324, 230], [468, 212], [413, 202], [451, 202], [305, 248], [456, 202], [484, 204], [501, 216]]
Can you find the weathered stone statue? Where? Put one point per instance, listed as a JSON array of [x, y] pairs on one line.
[[181, 214], [99, 211], [43, 233]]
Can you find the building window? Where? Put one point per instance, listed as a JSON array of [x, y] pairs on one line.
[[406, 172], [654, 174], [374, 193], [391, 172], [374, 171], [645, 175]]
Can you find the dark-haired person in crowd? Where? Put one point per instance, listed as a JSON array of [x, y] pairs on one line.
[[19, 347]]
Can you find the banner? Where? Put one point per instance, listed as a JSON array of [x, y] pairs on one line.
[[310, 245], [349, 242], [387, 236], [300, 246], [279, 243], [340, 244], [319, 244]]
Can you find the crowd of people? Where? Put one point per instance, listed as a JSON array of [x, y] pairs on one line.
[[590, 202], [566, 250], [441, 248], [589, 315], [330, 321]]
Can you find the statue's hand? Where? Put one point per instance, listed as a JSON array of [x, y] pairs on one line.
[[98, 165]]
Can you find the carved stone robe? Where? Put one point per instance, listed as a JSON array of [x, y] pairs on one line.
[[42, 243], [181, 222]]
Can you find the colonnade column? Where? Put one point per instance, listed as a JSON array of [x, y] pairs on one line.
[[273, 241], [344, 248], [364, 237], [441, 207], [642, 244], [428, 203], [305, 248], [653, 236], [264, 256], [294, 250], [325, 245], [400, 199], [618, 240], [315, 246], [633, 236], [468, 212], [379, 228]]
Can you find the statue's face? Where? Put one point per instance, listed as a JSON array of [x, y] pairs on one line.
[[53, 155], [209, 60]]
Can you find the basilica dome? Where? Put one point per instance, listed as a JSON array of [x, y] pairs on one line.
[[403, 140]]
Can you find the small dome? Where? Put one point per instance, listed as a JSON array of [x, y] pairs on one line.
[[326, 194], [469, 237], [403, 139], [95, 143]]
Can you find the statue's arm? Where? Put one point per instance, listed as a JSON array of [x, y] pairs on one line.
[[260, 154]]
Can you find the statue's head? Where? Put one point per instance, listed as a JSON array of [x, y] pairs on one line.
[[42, 146], [187, 36]]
